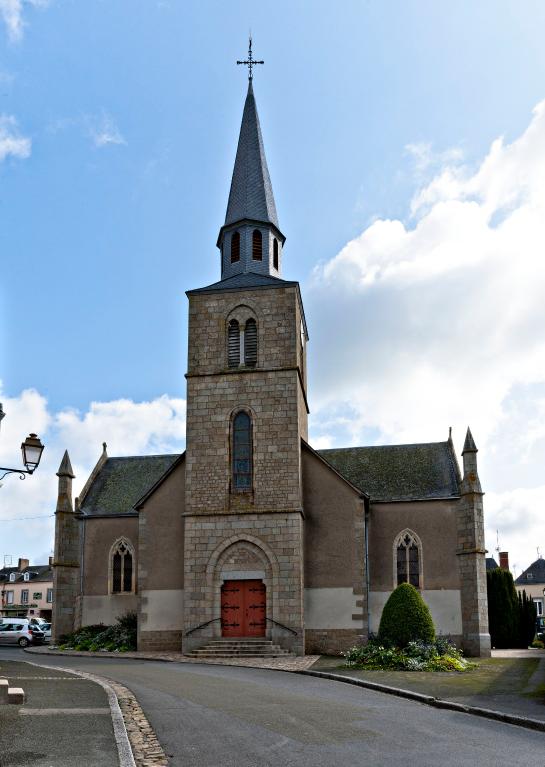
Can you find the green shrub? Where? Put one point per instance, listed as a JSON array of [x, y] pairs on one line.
[[538, 644], [511, 616], [118, 638], [405, 618]]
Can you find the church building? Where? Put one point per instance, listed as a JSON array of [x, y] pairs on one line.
[[251, 535]]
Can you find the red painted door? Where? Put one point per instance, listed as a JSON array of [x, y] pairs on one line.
[[243, 608]]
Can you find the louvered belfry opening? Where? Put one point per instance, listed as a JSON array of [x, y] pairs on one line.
[[250, 343], [235, 247], [275, 254], [233, 344], [257, 245]]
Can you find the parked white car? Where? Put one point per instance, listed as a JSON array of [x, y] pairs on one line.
[[19, 631], [46, 628]]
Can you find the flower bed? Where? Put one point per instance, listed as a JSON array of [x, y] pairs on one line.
[[440, 655]]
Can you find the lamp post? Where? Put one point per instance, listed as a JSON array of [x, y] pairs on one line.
[[31, 449]]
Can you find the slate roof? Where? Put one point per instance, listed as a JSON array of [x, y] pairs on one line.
[[399, 472], [37, 573], [245, 280], [491, 563], [533, 574], [251, 194], [121, 482]]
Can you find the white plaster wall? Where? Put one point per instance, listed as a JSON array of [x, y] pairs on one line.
[[444, 604], [106, 609], [331, 609], [162, 610]]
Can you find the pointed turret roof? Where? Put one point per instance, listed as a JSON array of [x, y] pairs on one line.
[[65, 469], [251, 195], [469, 444]]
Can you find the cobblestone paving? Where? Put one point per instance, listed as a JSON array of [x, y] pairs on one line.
[[294, 663], [146, 749]]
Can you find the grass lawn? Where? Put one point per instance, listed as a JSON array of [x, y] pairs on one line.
[[516, 685]]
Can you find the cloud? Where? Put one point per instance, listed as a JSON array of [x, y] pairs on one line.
[[11, 12], [443, 322], [129, 428], [11, 141], [104, 131]]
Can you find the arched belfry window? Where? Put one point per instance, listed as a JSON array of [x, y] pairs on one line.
[[257, 245], [233, 344], [250, 343], [235, 247], [122, 580], [275, 253], [242, 452], [408, 559]]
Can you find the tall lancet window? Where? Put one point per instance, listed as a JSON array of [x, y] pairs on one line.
[[250, 343], [275, 253], [235, 247], [121, 568], [408, 559], [257, 245], [242, 451], [233, 344]]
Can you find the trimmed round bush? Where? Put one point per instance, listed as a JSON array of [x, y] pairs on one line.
[[405, 618]]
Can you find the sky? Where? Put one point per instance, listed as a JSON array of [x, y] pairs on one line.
[[406, 147]]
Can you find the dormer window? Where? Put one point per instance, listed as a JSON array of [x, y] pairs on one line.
[[26, 577], [257, 245], [12, 577], [235, 247]]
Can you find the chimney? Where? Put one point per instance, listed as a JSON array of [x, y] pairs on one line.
[[50, 561], [504, 560], [22, 564]]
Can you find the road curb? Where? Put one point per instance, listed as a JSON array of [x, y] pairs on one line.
[[429, 700], [121, 737]]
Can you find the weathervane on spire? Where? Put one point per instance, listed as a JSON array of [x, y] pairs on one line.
[[250, 61]]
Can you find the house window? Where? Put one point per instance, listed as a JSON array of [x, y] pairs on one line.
[[12, 577], [257, 245], [250, 343], [9, 597], [235, 247], [408, 559], [49, 597], [233, 344], [539, 607], [122, 568], [26, 577], [242, 451], [24, 597], [275, 253]]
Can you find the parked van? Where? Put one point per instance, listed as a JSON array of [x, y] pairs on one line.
[[20, 631]]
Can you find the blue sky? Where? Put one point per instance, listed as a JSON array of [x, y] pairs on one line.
[[118, 131]]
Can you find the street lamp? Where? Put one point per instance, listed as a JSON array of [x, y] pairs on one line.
[[31, 449]]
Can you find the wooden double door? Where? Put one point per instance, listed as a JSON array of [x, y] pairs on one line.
[[243, 608]]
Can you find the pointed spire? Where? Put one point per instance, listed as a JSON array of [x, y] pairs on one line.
[[65, 469], [469, 444], [251, 195]]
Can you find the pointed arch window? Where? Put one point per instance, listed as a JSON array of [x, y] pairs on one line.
[[242, 452], [233, 344], [257, 245], [250, 343], [122, 579], [408, 559], [235, 247], [275, 253]]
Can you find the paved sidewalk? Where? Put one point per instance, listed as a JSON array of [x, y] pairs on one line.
[[299, 663], [65, 721]]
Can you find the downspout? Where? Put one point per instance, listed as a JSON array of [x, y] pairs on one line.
[[367, 586]]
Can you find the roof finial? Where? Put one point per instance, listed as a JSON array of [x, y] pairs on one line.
[[250, 61]]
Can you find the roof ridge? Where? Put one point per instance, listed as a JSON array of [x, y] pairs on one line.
[[401, 444]]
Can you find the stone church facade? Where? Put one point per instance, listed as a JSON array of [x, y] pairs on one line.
[[251, 532]]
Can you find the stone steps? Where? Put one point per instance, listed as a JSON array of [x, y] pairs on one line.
[[243, 648], [10, 694]]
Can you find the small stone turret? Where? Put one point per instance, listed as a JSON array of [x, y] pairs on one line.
[[66, 563], [472, 556]]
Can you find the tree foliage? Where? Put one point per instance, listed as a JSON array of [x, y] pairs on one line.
[[405, 618], [511, 616]]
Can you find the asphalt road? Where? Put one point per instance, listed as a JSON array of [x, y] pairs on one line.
[[220, 716]]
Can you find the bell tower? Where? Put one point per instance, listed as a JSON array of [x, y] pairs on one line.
[[246, 414]]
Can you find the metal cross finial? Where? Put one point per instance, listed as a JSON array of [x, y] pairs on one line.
[[250, 61]]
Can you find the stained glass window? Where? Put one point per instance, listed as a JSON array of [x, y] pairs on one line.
[[242, 452]]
